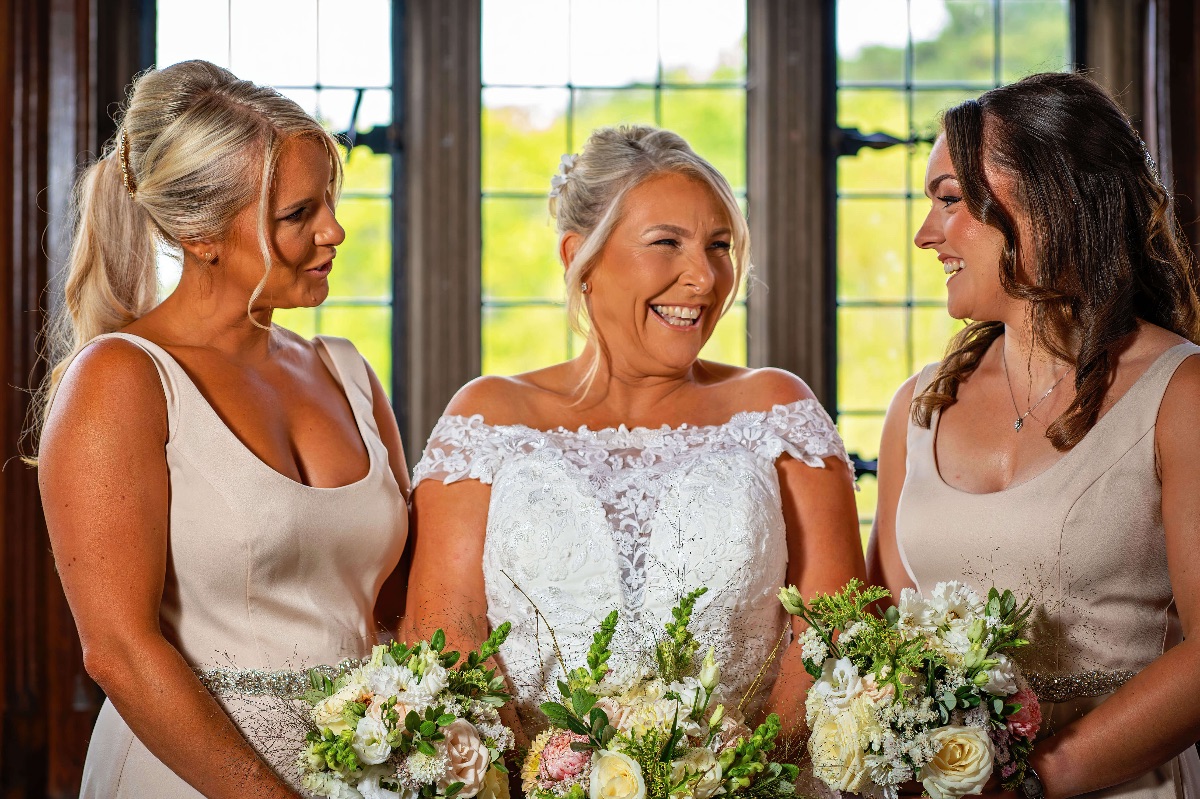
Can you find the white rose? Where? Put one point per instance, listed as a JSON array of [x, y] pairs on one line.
[[1001, 678], [839, 683], [962, 765], [469, 758], [389, 681], [838, 759], [616, 776], [370, 741], [698, 762], [328, 712]]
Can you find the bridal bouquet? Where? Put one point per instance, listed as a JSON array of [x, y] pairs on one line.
[[652, 731], [926, 692], [407, 723]]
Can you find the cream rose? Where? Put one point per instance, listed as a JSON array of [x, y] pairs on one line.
[[701, 762], [469, 758], [962, 765], [616, 776], [328, 712], [495, 785], [837, 757], [370, 741]]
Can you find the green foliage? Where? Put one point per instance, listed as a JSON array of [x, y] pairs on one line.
[[597, 657], [677, 652]]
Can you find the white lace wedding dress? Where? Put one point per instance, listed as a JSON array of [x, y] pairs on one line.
[[582, 522]]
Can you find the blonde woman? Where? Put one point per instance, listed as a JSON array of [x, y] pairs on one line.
[[636, 472], [224, 498]]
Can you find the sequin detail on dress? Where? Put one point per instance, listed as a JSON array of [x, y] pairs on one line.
[[582, 522]]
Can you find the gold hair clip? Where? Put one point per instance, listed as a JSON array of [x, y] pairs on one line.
[[123, 160]]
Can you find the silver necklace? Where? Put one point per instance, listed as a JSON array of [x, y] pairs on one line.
[[1020, 420]]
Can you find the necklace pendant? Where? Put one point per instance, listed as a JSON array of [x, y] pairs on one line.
[[1017, 424]]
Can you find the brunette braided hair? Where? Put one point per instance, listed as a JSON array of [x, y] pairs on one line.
[[1104, 247]]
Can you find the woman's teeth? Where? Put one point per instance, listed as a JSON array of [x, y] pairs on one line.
[[677, 315], [953, 266]]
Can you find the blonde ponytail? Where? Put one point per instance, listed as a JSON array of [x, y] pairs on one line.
[[196, 145]]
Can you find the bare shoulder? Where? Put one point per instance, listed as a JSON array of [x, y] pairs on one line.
[[757, 389], [1181, 402], [110, 391], [498, 399]]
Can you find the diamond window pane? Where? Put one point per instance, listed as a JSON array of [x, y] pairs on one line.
[[711, 52], [614, 43], [364, 260], [964, 50], [525, 42], [522, 338], [286, 57], [185, 29], [728, 341], [520, 251], [524, 134], [873, 266], [714, 123], [355, 43], [873, 111]]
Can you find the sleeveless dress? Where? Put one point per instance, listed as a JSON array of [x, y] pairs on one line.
[[584, 522], [265, 576], [1083, 539]]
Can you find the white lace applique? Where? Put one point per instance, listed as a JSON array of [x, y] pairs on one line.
[[587, 521]]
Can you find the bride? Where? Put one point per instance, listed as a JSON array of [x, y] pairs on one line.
[[636, 472]]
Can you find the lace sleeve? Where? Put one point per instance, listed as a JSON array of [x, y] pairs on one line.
[[460, 448], [802, 429]]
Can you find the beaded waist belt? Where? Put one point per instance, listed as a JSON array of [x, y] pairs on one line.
[[1065, 687], [285, 684]]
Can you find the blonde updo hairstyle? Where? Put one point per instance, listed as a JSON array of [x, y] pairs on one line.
[[194, 147], [590, 203]]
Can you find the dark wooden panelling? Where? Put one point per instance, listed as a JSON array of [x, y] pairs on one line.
[[789, 107], [1183, 71]]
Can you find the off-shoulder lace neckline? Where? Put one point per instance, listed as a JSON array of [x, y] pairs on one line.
[[740, 417]]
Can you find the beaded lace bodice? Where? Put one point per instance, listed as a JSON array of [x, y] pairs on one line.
[[582, 522]]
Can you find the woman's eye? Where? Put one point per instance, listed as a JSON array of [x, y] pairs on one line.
[[667, 242], [720, 245], [948, 200], [293, 216]]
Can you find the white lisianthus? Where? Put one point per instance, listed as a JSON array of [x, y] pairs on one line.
[[691, 694], [1001, 678], [422, 694], [322, 783], [962, 765], [702, 763], [389, 681], [791, 599], [370, 741], [838, 685], [616, 776], [838, 759], [370, 788]]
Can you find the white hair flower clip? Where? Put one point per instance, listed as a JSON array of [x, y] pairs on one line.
[[565, 165]]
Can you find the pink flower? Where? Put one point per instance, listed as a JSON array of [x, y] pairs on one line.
[[1026, 721], [559, 761]]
